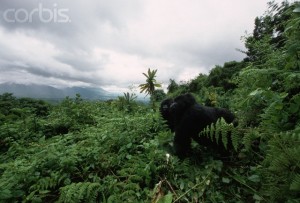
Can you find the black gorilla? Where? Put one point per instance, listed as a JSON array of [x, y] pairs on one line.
[[187, 119]]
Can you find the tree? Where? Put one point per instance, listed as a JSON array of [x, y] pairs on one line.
[[173, 86], [221, 76], [269, 30], [158, 95], [198, 83], [150, 84]]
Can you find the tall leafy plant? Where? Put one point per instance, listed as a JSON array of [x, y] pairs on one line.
[[150, 85]]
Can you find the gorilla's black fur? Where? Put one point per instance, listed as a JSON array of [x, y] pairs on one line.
[[187, 119]]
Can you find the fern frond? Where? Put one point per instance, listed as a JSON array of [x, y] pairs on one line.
[[295, 185], [211, 129], [219, 132], [77, 192], [282, 165], [46, 183], [224, 137], [249, 137], [235, 138]]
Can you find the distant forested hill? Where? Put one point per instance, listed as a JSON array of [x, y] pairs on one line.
[[49, 92]]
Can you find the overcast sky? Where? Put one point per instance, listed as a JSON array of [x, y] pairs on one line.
[[110, 43]]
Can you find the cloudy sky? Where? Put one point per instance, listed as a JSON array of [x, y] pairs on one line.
[[110, 43]]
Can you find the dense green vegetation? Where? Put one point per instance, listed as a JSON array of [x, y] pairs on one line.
[[117, 151]]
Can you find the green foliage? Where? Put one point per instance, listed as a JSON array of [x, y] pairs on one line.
[[269, 109], [77, 192], [126, 103], [115, 158], [249, 138], [107, 159], [69, 116], [222, 76], [268, 34], [282, 168], [196, 84], [157, 96], [293, 42], [19, 119]]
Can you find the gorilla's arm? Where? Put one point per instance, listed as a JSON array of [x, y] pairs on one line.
[[211, 115], [188, 126], [226, 114]]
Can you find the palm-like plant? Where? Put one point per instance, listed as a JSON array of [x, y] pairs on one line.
[[150, 84]]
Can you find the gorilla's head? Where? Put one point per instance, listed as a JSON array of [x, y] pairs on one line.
[[165, 111], [165, 106], [183, 101]]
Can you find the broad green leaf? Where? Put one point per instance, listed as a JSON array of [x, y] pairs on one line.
[[225, 180], [254, 178], [166, 199]]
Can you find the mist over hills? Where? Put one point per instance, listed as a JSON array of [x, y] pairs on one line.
[[49, 92]]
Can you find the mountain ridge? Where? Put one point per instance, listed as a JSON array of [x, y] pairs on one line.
[[49, 92]]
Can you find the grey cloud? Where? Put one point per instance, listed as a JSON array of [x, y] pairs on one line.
[[197, 54], [53, 14], [46, 74], [18, 14], [115, 28], [80, 62]]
